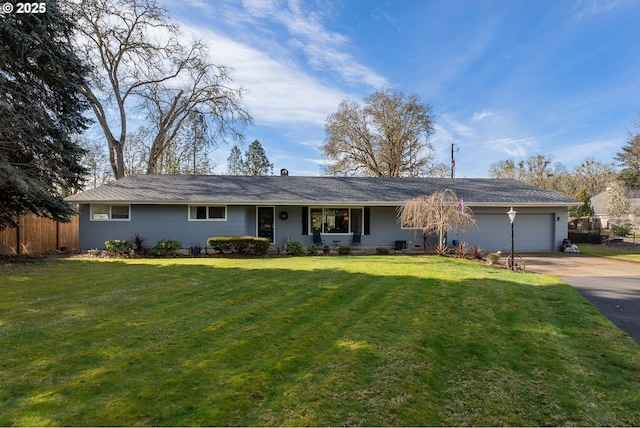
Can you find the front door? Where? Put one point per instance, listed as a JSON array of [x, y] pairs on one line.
[[265, 222]]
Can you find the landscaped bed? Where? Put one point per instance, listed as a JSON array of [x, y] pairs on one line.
[[368, 340]]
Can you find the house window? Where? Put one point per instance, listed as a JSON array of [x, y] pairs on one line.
[[110, 212], [207, 212], [336, 220], [404, 226]]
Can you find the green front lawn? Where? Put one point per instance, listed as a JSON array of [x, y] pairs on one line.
[[368, 340], [603, 250]]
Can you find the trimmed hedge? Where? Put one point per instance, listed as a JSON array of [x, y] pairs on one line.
[[294, 248], [239, 244], [166, 247]]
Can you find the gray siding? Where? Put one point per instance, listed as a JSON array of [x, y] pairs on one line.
[[156, 222], [384, 228]]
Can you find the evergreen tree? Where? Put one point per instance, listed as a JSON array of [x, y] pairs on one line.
[[41, 108], [256, 161], [234, 162], [629, 159], [584, 210]]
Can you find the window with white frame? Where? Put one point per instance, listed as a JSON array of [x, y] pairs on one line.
[[105, 212], [207, 212], [336, 220], [404, 226]]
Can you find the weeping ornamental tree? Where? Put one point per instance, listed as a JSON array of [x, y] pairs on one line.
[[438, 212]]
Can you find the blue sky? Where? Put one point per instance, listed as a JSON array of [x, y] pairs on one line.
[[505, 79]]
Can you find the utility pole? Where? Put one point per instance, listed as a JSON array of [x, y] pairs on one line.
[[453, 161]]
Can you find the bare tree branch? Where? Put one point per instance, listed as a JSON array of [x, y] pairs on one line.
[[140, 61]]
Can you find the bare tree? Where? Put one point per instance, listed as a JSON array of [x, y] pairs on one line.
[[438, 212], [593, 176], [140, 62], [96, 161], [618, 205], [506, 169], [387, 137]]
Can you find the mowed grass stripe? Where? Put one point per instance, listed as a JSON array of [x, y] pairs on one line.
[[306, 341]]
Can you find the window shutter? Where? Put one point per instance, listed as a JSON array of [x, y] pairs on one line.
[[305, 221], [367, 224]]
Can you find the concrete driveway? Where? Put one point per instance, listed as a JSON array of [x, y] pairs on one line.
[[613, 286]]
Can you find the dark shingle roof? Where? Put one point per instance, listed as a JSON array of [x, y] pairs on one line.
[[306, 190]]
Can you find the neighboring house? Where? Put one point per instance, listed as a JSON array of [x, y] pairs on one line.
[[192, 208], [599, 202]]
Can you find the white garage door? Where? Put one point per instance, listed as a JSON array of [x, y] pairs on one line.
[[533, 232]]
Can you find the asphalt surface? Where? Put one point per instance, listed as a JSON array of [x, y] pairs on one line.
[[613, 286]]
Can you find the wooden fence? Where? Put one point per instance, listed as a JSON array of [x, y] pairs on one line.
[[39, 235]]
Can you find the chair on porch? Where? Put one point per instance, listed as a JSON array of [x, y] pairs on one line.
[[356, 240]]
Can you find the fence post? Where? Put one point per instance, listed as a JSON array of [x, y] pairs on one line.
[[18, 236]]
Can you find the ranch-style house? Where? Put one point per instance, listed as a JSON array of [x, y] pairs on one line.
[[192, 208]]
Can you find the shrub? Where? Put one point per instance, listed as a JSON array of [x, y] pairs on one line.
[[344, 250], [621, 229], [476, 252], [442, 249], [117, 246], [461, 249], [239, 244], [138, 243], [493, 258], [382, 251], [294, 248], [166, 247], [312, 249]]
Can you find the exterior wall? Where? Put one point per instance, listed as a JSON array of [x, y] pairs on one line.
[[156, 222], [384, 229], [537, 229]]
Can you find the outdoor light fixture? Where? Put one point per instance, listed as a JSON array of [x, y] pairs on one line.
[[512, 217]]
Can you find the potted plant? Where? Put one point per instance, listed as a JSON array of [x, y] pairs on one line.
[[195, 249], [326, 249]]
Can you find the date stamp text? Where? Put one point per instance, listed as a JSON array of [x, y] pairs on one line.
[[24, 8]]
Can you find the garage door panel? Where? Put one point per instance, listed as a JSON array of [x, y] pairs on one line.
[[533, 232]]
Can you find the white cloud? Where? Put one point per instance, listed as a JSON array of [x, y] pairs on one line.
[[478, 116], [601, 148], [277, 69], [514, 147], [276, 91], [324, 50], [594, 7], [457, 127]]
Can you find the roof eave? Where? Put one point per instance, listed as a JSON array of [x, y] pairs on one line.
[[317, 203]]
